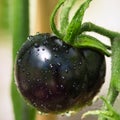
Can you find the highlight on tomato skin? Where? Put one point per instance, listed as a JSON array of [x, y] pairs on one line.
[[55, 77]]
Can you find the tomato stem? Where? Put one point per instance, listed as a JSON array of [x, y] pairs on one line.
[[115, 78], [88, 26], [114, 86]]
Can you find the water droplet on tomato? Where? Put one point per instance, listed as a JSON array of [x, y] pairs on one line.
[[41, 113], [30, 38], [66, 70], [36, 45], [64, 46], [28, 80], [35, 104], [59, 64], [37, 33], [80, 63], [63, 77], [50, 92], [67, 51], [51, 65], [27, 73], [61, 86], [46, 83], [55, 48], [45, 42], [69, 113], [19, 60], [55, 55], [38, 80]]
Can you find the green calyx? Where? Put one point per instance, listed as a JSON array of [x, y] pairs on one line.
[[71, 31], [64, 15], [87, 41], [75, 24]]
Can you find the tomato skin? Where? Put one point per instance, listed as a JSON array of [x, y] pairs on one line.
[[96, 68], [55, 77]]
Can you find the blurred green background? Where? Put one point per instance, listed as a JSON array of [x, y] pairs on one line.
[[4, 14]]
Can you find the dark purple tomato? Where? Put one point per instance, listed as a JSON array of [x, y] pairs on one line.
[[55, 77]]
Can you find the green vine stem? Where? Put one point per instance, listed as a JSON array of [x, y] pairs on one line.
[[114, 88], [88, 26], [115, 78], [20, 31]]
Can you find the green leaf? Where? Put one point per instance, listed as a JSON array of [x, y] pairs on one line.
[[20, 32], [87, 41], [64, 15], [75, 24]]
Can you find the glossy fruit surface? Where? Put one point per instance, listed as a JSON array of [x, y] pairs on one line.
[[55, 77]]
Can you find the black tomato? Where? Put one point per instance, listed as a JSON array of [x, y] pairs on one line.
[[55, 77]]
